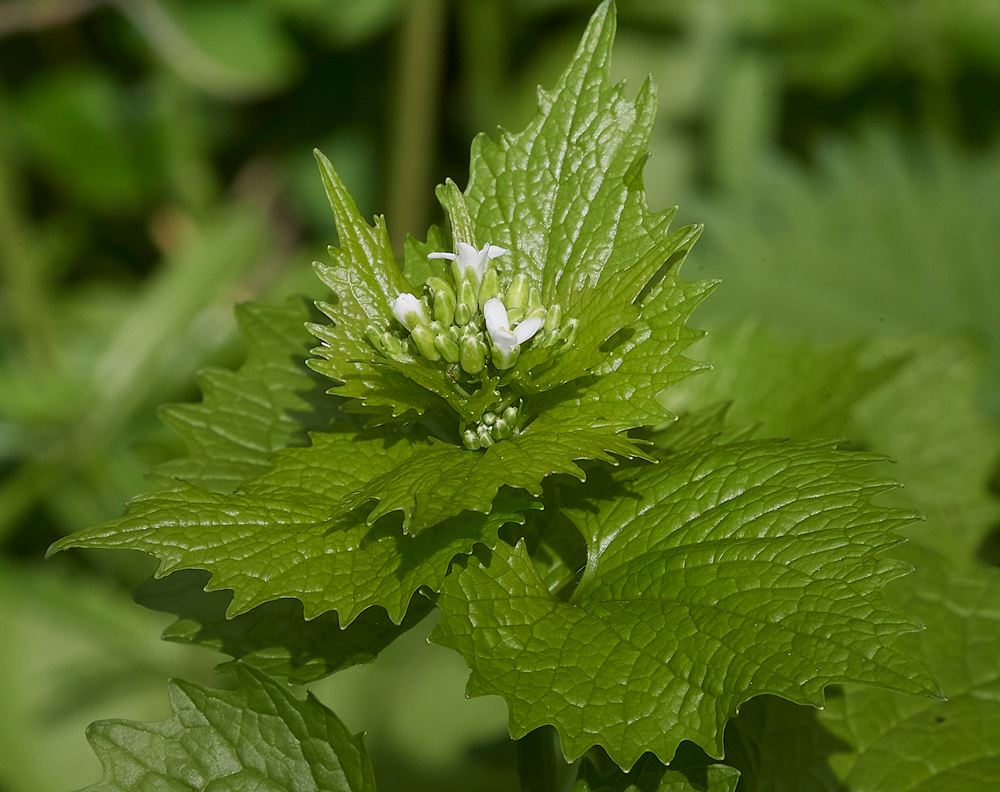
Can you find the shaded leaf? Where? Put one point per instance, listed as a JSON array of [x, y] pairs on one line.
[[256, 737], [273, 637]]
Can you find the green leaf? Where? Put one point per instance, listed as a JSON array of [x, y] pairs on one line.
[[236, 50], [720, 574], [439, 480], [693, 772], [284, 534], [273, 637], [247, 416], [915, 402], [875, 741], [257, 737], [881, 237]]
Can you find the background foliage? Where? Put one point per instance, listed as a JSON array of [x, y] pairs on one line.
[[155, 167]]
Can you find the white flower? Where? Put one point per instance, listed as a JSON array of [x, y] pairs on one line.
[[505, 338], [471, 260], [409, 311]]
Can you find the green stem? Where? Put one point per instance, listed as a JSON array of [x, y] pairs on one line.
[[21, 273], [538, 764], [414, 130]]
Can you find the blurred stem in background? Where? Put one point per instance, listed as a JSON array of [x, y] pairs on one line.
[[414, 125]]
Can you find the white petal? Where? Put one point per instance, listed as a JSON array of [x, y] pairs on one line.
[[450, 256], [408, 310], [497, 325], [467, 256], [492, 251], [527, 329]]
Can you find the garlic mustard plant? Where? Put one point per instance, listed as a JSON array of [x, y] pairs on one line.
[[482, 429]]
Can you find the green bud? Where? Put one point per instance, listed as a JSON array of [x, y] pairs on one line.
[[447, 347], [567, 335], [471, 440], [517, 293], [436, 284], [424, 339], [534, 299], [537, 311], [392, 346], [462, 314], [552, 317], [515, 315], [490, 286], [467, 296], [489, 418], [502, 362], [510, 415], [502, 430], [473, 354], [384, 342], [444, 303], [374, 336], [484, 437]]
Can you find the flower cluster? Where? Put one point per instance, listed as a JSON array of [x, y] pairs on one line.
[[467, 322]]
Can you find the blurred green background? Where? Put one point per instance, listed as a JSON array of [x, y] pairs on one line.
[[156, 167]]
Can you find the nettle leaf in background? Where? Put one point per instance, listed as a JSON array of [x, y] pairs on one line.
[[944, 451], [875, 741], [723, 573], [574, 248], [256, 737]]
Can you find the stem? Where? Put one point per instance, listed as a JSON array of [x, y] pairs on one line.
[[21, 272], [537, 763], [414, 128]]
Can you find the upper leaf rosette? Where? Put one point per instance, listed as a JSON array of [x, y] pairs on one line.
[[543, 329]]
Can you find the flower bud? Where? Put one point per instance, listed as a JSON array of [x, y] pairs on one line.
[[505, 360], [424, 339], [410, 311], [534, 299], [384, 342], [444, 300], [467, 296], [566, 335], [471, 440], [484, 437], [462, 314], [553, 317], [473, 354], [517, 293], [510, 415], [448, 348], [502, 430], [489, 418], [537, 313], [490, 286]]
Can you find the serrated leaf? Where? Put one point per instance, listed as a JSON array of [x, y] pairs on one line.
[[439, 480], [284, 534], [566, 196], [721, 574], [273, 637], [694, 773], [915, 402], [256, 737], [246, 416], [875, 741]]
